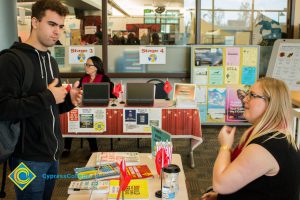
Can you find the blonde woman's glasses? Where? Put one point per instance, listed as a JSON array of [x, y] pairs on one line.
[[252, 95]]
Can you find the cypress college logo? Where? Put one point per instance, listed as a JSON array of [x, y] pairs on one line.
[[22, 176]]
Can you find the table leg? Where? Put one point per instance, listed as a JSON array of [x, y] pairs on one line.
[[192, 159], [195, 142]]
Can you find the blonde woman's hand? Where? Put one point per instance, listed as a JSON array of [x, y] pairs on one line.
[[226, 136], [209, 196]]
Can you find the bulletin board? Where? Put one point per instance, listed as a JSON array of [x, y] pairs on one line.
[[285, 62], [223, 75]]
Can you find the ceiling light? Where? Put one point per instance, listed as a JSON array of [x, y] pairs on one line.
[[160, 9]]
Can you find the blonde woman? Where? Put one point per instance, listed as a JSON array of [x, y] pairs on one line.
[[266, 163]]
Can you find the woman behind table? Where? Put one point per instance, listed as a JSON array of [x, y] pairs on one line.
[[266, 163], [94, 74]]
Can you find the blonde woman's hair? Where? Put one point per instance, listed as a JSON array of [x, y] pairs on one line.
[[277, 117]]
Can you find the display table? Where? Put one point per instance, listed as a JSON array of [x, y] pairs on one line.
[[295, 95], [179, 122], [153, 184]]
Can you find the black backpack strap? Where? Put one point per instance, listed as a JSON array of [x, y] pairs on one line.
[[27, 65], [2, 191], [27, 79]]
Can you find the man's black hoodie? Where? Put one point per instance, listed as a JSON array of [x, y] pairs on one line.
[[42, 139]]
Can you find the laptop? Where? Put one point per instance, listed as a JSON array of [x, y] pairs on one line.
[[140, 94], [96, 94]]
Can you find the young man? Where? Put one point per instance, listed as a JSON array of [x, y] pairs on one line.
[[41, 144]]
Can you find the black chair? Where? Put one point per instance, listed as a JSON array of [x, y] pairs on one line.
[[159, 91]]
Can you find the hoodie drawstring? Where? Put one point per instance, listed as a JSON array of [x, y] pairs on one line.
[[42, 72], [50, 66]]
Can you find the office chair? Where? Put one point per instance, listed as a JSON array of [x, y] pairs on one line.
[[159, 88]]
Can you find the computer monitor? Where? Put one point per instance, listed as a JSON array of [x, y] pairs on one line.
[[96, 94], [140, 94]]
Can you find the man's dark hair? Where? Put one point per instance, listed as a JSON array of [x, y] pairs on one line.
[[39, 8]]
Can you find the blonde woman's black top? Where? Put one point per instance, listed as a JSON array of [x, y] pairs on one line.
[[283, 186]]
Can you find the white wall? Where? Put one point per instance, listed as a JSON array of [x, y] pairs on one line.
[[297, 19], [24, 28]]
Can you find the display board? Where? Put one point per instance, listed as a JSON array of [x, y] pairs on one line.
[[223, 75], [285, 62]]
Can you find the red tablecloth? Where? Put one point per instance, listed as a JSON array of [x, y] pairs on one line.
[[174, 121]]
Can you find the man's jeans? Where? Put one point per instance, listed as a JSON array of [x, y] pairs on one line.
[[40, 188]]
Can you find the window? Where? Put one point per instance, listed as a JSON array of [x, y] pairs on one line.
[[149, 16], [262, 20]]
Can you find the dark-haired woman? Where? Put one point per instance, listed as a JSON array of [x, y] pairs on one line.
[[94, 73]]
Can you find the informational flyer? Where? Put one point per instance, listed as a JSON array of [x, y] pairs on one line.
[[216, 75], [79, 54], [152, 55], [234, 103], [201, 94], [248, 75], [140, 120], [233, 56], [59, 54], [216, 104], [232, 75], [200, 75], [130, 62], [208, 57], [87, 120], [287, 65], [203, 112], [90, 30], [250, 56]]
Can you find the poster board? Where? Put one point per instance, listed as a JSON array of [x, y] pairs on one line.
[[87, 120], [285, 62], [140, 120], [223, 74]]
